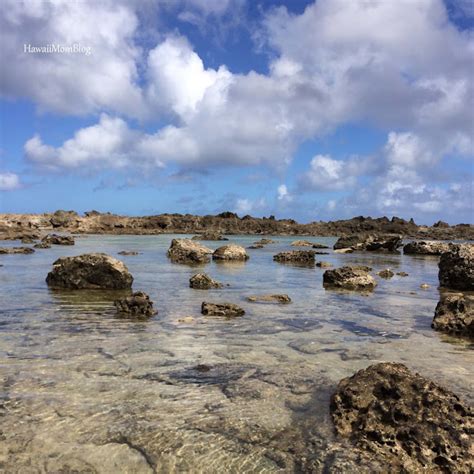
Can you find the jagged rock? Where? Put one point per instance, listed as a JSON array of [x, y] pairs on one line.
[[369, 242], [301, 243], [55, 239], [202, 281], [63, 218], [344, 250], [295, 256], [230, 252], [210, 236], [387, 273], [89, 271], [128, 252], [283, 299], [441, 224], [323, 264], [456, 267], [425, 248], [402, 274], [138, 305], [42, 245], [188, 251], [404, 418], [350, 278], [454, 314], [229, 310], [15, 250]]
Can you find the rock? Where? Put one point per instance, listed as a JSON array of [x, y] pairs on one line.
[[138, 305], [15, 250], [454, 314], [456, 267], [188, 251], [387, 273], [425, 248], [295, 256], [319, 246], [402, 274], [54, 239], [264, 242], [27, 240], [301, 243], [404, 418], [256, 246], [441, 224], [89, 271], [369, 242], [42, 245], [210, 236], [347, 250], [230, 252], [350, 278], [229, 310], [128, 252], [202, 281], [323, 264], [424, 286], [283, 299], [63, 218]]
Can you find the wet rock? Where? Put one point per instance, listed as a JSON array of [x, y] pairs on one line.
[[264, 242], [369, 242], [350, 278], [210, 235], [425, 248], [202, 281], [27, 240], [345, 250], [16, 250], [424, 286], [404, 418], [89, 271], [188, 251], [402, 274], [283, 299], [229, 310], [301, 243], [55, 239], [456, 267], [138, 305], [296, 256], [256, 246], [387, 273], [128, 252], [454, 314], [317, 245], [230, 252], [323, 264], [42, 245]]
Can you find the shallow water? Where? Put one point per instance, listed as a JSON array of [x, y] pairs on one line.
[[85, 391]]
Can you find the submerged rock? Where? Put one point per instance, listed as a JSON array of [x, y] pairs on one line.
[[296, 256], [404, 418], [89, 271], [387, 273], [425, 248], [301, 243], [210, 235], [264, 242], [230, 252], [202, 281], [16, 250], [456, 267], [229, 310], [323, 264], [402, 274], [350, 278], [317, 245], [454, 314], [138, 305], [369, 242], [128, 252], [256, 246], [42, 245], [283, 299], [55, 239], [188, 251]]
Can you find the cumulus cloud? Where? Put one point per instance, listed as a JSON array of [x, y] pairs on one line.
[[9, 181], [283, 194]]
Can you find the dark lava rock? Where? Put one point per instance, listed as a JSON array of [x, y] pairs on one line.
[[89, 271], [188, 251], [425, 247], [15, 250], [323, 264], [456, 267], [283, 299], [399, 416], [210, 236], [350, 278], [42, 245], [387, 273], [55, 239], [138, 305], [229, 310], [202, 281], [369, 242], [297, 256], [128, 252], [454, 314]]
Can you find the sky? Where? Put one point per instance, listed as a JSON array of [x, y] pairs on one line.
[[311, 110]]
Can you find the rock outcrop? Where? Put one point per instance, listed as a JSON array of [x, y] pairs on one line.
[[301, 243], [230, 252], [323, 264], [425, 247], [404, 418], [456, 267], [89, 271], [305, 257], [42, 245], [202, 281], [228, 310], [188, 251], [264, 242], [280, 298], [349, 278], [55, 239], [454, 315], [210, 236], [387, 273], [369, 242], [136, 306], [15, 250]]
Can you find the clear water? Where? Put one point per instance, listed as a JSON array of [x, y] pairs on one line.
[[84, 391]]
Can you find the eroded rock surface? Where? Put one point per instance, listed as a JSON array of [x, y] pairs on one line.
[[301, 243], [456, 267], [425, 247], [138, 305], [280, 298], [16, 250], [454, 314], [228, 310], [350, 278], [369, 242], [387, 273], [55, 239], [230, 252], [210, 236], [188, 251], [296, 256], [89, 271], [400, 416], [202, 281]]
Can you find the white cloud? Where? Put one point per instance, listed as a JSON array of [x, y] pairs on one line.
[[247, 206], [283, 194], [9, 181]]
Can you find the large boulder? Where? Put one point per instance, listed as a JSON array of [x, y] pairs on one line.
[[369, 242], [55, 239], [425, 247], [188, 251], [305, 257], [202, 281], [404, 418], [228, 310], [230, 252], [15, 250], [137, 306], [210, 235], [349, 278], [454, 314], [89, 271], [456, 267]]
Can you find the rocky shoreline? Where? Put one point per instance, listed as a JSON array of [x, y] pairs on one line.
[[13, 226]]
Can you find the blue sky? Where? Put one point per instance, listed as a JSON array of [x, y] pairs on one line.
[[308, 110]]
